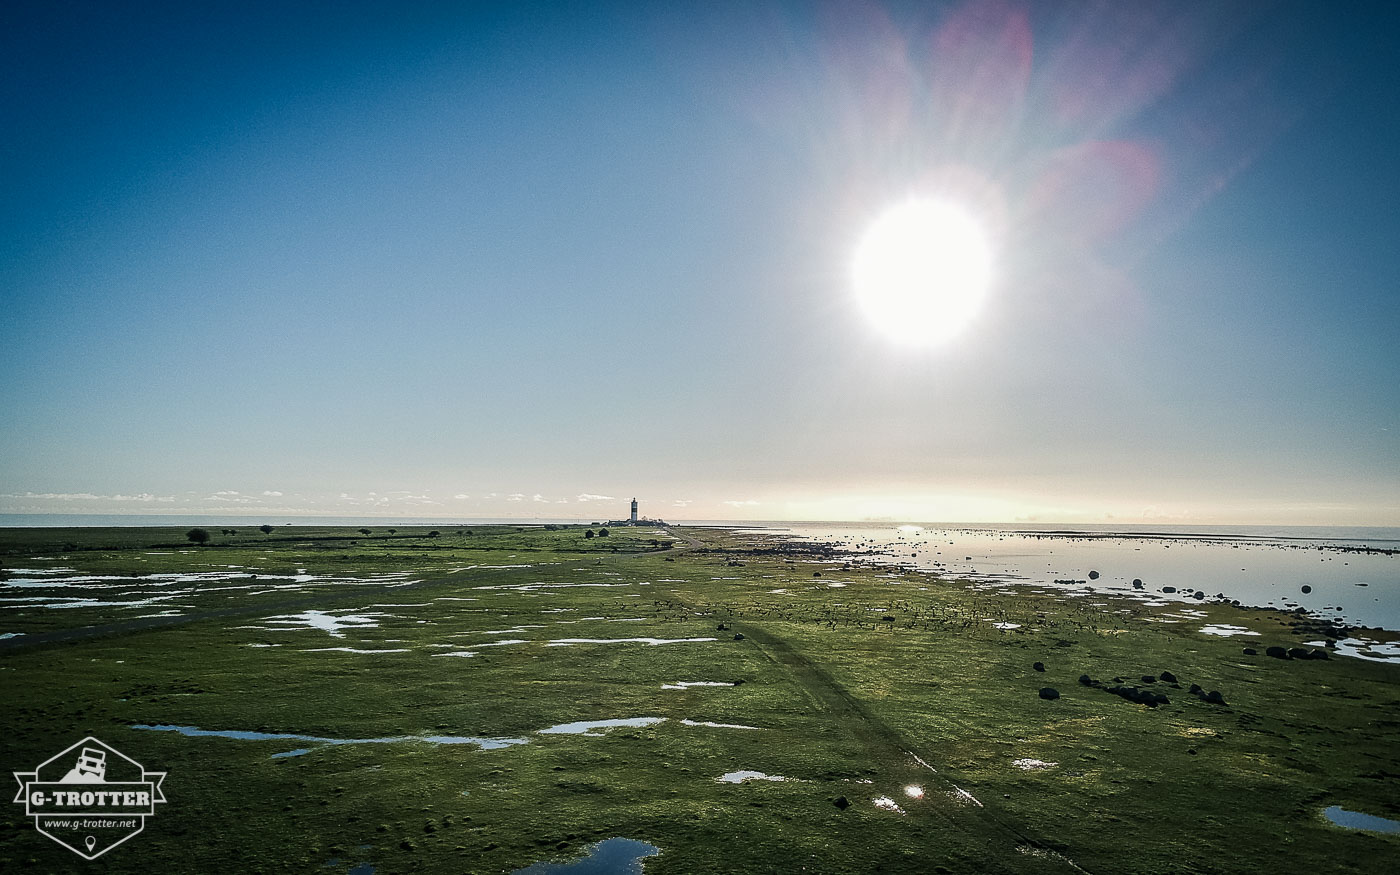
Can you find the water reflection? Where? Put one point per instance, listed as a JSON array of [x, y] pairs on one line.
[[615, 856], [1356, 820]]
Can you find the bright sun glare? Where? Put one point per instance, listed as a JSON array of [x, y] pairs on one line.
[[922, 270]]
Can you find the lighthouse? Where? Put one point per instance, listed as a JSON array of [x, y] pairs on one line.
[[634, 511]]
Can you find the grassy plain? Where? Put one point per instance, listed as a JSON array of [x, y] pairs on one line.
[[858, 683]]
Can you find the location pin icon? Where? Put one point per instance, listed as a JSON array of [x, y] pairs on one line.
[[90, 842]]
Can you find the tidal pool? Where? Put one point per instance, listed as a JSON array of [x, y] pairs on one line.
[[587, 727], [246, 735], [615, 856], [743, 775], [567, 642], [1225, 630], [1356, 820]]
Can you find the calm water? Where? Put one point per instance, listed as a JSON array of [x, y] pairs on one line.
[[616, 856], [1257, 566]]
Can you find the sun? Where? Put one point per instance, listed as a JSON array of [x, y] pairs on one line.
[[922, 270]]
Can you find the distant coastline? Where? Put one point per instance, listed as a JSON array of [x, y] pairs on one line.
[[1369, 534]]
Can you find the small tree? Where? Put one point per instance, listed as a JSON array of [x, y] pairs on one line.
[[392, 531], [602, 533], [364, 532], [434, 534], [588, 534], [265, 529], [198, 536]]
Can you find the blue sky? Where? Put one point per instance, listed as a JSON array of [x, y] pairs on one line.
[[534, 259]]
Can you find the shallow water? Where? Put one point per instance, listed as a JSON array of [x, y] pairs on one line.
[[615, 856], [246, 735], [743, 775], [589, 727], [1356, 820], [1267, 570], [567, 642]]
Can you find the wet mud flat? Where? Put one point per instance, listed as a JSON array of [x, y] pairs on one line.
[[730, 708]]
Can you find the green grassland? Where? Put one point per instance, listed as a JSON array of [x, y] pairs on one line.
[[893, 679]]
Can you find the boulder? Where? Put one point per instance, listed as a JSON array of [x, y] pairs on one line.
[[1298, 653], [842, 803], [1167, 677], [1039, 666], [1250, 651], [1277, 652], [1049, 693], [1214, 697], [738, 636], [1086, 680], [1149, 679]]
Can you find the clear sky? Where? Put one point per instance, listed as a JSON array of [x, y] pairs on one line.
[[534, 259]]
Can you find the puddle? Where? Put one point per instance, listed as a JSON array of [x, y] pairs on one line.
[[292, 753], [457, 653], [681, 685], [615, 856], [355, 650], [566, 642], [1225, 630], [1356, 820], [741, 776], [1363, 648], [717, 725], [328, 623], [245, 735], [587, 727]]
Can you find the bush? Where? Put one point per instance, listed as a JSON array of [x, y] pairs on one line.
[[588, 534], [198, 536]]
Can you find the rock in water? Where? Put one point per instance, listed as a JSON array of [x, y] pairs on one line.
[[1093, 575]]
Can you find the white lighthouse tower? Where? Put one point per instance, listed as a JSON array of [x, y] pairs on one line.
[[634, 511]]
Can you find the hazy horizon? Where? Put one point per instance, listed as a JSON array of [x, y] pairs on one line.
[[533, 259]]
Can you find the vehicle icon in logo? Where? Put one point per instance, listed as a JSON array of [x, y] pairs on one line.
[[90, 797]]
